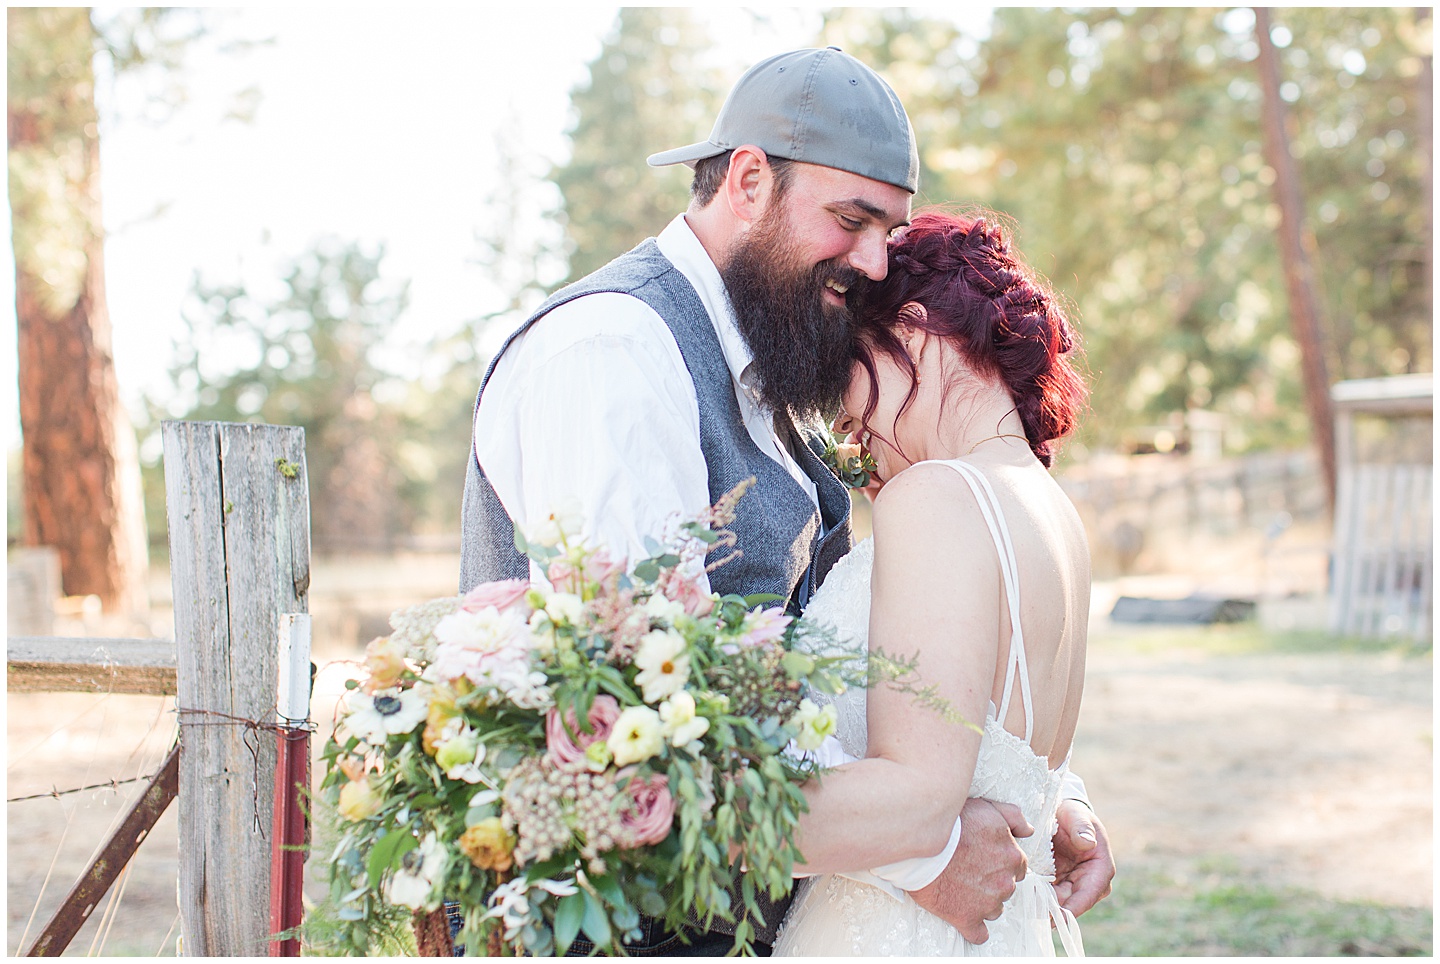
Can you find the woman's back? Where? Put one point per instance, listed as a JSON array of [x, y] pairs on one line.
[[840, 915], [1052, 566]]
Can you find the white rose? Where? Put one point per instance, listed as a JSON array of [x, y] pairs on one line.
[[564, 521], [486, 631]]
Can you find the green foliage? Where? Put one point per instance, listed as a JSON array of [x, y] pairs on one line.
[[325, 931], [53, 149], [1127, 145], [307, 354], [649, 90], [1247, 638]]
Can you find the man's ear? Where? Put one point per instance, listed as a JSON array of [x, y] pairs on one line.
[[747, 183]]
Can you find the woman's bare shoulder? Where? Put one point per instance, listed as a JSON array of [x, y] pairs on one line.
[[926, 499]]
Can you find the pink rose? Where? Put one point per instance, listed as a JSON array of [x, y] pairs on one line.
[[563, 577], [501, 595], [604, 570], [604, 711], [678, 587], [651, 812]]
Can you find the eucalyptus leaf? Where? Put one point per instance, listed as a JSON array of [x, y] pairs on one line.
[[388, 851], [596, 922], [568, 915]]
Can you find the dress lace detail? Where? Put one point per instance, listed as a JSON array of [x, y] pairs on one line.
[[842, 605], [834, 915]]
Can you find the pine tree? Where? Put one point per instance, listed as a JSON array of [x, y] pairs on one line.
[[81, 476], [648, 92]]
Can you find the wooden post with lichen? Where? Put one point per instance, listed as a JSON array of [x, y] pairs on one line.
[[239, 517]]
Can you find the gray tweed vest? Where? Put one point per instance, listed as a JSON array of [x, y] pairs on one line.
[[777, 528]]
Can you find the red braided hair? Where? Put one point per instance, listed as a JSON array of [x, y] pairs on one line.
[[982, 298]]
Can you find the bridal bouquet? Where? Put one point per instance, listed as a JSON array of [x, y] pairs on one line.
[[558, 761]]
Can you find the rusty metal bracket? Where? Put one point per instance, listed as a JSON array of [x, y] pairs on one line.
[[83, 898]]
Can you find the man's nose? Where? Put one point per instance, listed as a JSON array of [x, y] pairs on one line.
[[869, 256]]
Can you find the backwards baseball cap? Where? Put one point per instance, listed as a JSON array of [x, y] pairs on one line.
[[820, 106]]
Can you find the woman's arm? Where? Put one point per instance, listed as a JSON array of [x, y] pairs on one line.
[[936, 598]]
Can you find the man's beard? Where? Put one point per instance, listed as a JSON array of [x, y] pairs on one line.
[[801, 345]]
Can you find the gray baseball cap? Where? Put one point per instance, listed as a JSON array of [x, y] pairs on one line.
[[820, 106]]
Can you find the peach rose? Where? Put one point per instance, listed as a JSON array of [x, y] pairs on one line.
[[385, 662], [489, 845], [846, 451]]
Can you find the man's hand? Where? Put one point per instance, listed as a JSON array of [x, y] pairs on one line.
[[1084, 866], [981, 875]]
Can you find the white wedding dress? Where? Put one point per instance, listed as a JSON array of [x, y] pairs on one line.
[[838, 916]]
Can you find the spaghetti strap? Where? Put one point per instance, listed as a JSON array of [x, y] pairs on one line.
[[1015, 668]]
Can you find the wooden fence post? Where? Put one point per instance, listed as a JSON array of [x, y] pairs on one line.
[[239, 516]]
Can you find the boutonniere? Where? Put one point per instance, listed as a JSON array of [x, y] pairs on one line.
[[849, 461]]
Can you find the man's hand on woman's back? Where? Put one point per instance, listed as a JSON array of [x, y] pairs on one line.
[[981, 875]]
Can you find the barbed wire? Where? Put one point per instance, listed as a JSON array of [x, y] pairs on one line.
[[57, 793], [226, 719]]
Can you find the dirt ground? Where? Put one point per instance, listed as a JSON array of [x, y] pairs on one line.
[[1305, 770]]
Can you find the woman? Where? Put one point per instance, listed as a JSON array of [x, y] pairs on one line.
[[978, 569]]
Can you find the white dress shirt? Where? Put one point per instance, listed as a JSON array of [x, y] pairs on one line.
[[595, 409]]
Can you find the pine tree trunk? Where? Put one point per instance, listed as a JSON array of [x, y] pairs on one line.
[[1299, 274], [81, 475]]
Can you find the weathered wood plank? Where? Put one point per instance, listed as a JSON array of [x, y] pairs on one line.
[[62, 664], [1347, 525], [238, 510]]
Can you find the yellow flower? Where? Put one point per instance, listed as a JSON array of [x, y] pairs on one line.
[[442, 710], [814, 723], [637, 736], [358, 801], [489, 845]]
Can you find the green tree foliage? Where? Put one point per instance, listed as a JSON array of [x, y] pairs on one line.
[[1127, 146], [306, 353], [649, 90]]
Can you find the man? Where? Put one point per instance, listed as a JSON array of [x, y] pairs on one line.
[[651, 387]]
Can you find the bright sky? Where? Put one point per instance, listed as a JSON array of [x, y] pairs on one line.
[[375, 123]]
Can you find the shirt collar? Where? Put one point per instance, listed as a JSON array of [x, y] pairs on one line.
[[679, 244]]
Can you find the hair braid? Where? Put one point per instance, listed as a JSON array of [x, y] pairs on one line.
[[979, 294]]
